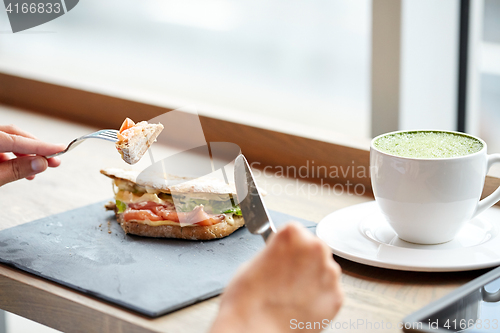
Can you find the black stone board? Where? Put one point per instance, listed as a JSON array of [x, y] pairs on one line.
[[85, 249]]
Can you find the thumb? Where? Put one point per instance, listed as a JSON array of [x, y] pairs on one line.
[[21, 167]]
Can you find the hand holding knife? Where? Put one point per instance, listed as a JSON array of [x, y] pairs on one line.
[[292, 279]]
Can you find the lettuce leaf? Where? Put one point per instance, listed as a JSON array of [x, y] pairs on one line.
[[121, 206], [236, 210], [185, 204]]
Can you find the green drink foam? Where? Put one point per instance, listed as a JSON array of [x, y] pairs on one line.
[[428, 144]]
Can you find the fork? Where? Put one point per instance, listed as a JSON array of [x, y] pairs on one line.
[[109, 135]]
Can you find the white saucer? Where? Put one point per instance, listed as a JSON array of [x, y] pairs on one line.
[[360, 233]]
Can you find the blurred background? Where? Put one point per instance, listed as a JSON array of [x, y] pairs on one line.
[[301, 62], [321, 65], [281, 62]]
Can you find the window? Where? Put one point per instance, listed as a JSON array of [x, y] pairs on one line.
[[490, 77], [281, 64], [302, 63]]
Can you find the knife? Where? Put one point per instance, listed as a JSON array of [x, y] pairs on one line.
[[254, 211]]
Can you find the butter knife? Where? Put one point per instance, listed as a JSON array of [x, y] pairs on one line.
[[257, 219]]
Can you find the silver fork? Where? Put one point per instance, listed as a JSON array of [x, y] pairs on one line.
[[109, 135]]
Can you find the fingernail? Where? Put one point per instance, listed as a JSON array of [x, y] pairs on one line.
[[38, 164]]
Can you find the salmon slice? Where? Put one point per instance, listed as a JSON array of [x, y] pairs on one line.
[[152, 211]]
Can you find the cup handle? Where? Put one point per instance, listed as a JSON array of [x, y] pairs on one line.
[[490, 297], [494, 197]]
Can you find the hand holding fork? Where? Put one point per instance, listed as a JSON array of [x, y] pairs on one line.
[[30, 152]]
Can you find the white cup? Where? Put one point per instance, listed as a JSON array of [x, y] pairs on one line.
[[428, 200]]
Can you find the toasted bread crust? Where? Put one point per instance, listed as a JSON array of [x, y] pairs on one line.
[[208, 185], [215, 231]]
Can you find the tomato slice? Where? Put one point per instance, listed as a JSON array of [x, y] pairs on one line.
[[127, 123]]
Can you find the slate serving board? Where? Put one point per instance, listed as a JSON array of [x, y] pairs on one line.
[[85, 249]]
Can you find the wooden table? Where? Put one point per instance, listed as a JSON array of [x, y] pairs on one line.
[[372, 294]]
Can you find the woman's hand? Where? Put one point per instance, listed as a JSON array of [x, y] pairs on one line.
[[293, 280], [28, 151]]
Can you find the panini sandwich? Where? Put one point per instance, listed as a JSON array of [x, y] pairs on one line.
[[196, 209]]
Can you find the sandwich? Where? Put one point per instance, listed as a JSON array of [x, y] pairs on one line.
[[135, 139], [174, 207]]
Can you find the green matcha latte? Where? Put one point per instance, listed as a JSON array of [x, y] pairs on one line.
[[428, 144]]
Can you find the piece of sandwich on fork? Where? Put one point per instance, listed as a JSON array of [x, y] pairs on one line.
[[135, 139]]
